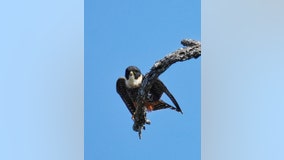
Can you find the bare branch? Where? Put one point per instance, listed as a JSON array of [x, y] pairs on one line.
[[191, 49]]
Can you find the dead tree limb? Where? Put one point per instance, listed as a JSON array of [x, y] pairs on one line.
[[191, 49]]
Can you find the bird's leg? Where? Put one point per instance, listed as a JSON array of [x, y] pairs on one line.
[[147, 121]]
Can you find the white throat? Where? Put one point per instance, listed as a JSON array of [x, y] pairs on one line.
[[132, 82]]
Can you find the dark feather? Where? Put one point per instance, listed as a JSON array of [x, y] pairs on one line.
[[121, 90], [162, 105], [158, 89]]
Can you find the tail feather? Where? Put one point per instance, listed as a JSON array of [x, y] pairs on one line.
[[153, 106]]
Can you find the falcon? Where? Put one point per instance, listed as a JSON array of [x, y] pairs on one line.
[[127, 87]]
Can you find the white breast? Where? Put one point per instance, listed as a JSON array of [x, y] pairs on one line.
[[132, 82]]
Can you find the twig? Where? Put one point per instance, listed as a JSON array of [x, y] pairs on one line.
[[191, 49]]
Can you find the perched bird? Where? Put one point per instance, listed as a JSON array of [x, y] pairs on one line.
[[128, 86]]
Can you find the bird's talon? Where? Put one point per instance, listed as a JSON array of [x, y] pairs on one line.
[[148, 121]]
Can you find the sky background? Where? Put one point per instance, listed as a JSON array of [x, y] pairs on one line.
[[123, 33], [41, 80]]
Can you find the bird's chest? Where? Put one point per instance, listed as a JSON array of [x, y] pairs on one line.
[[133, 94]]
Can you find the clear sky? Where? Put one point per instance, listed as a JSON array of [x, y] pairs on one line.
[[123, 33], [41, 80]]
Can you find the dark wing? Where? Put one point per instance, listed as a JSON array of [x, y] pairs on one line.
[[121, 90], [158, 89], [157, 105]]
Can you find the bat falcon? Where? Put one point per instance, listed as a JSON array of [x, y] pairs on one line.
[[127, 87]]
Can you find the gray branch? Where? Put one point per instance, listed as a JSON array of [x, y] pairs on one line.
[[191, 49]]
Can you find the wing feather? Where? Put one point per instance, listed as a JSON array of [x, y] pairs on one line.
[[159, 88], [121, 90], [161, 105]]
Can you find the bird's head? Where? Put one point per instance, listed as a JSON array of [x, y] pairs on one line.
[[133, 77]]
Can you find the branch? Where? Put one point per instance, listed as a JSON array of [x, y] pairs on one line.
[[191, 49]]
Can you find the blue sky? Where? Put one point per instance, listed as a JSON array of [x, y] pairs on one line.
[[41, 70], [123, 33]]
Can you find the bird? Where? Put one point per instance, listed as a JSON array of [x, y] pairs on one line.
[[127, 87]]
